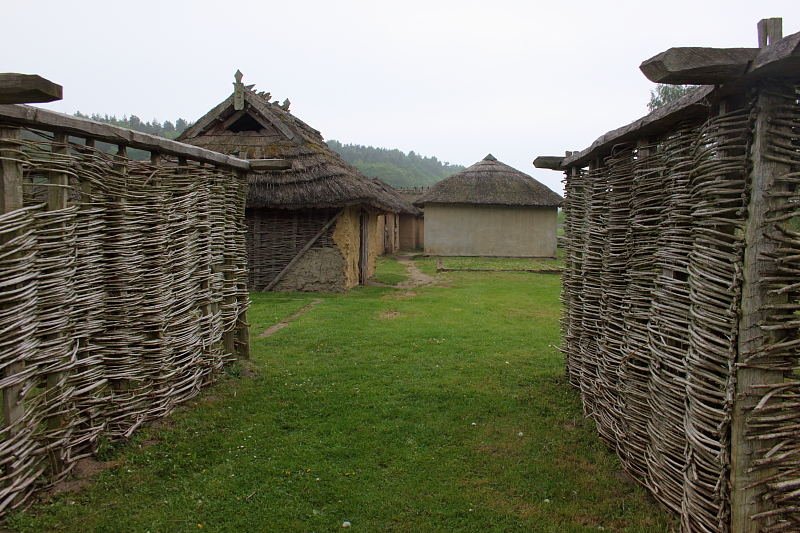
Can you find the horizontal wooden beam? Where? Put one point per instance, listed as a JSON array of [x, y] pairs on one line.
[[717, 66], [44, 119], [270, 164], [780, 59], [550, 162], [692, 104], [27, 89], [698, 66]]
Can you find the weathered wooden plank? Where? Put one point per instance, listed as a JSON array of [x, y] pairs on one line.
[[779, 59], [206, 121], [769, 31], [27, 89], [57, 198], [746, 494], [270, 164], [698, 66], [10, 170], [81, 127], [11, 200], [692, 104], [550, 162]]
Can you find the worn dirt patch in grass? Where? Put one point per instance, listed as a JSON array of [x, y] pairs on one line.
[[403, 295], [285, 322], [389, 314], [81, 475]]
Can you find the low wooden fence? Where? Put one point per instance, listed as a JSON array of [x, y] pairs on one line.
[[681, 296], [122, 286]]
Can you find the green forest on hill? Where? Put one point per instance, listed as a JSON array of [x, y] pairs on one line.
[[166, 129], [393, 166]]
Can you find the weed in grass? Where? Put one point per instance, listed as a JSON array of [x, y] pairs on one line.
[[452, 415]]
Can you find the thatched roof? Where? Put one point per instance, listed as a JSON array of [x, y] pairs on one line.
[[490, 182], [408, 207], [258, 129], [412, 194]]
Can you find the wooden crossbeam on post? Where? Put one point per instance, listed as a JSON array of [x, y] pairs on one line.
[[28, 89]]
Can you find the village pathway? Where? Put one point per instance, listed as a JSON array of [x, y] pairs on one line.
[[415, 276]]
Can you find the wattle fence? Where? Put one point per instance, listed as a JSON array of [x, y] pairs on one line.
[[681, 299], [122, 286]]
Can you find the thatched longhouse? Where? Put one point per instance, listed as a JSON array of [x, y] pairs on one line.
[[312, 228], [493, 210]]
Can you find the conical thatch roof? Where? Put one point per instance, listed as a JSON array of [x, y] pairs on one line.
[[490, 182], [247, 125]]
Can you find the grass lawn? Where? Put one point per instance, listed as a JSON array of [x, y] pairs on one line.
[[443, 408]]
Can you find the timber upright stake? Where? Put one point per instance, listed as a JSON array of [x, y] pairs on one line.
[[57, 200], [242, 327], [11, 200], [747, 478]]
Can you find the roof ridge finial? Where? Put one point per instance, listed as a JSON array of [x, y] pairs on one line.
[[490, 157], [238, 91]]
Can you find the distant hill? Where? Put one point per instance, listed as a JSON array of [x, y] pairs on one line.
[[393, 166]]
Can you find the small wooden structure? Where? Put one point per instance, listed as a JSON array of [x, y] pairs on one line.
[[390, 223], [311, 228], [681, 287], [411, 227], [490, 209], [122, 283]]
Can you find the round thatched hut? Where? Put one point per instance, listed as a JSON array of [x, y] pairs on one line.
[[315, 227], [490, 209]]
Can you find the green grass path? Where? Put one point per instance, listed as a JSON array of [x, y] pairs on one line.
[[444, 408]]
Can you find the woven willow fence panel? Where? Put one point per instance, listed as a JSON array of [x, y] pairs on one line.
[[112, 309], [276, 236], [655, 242]]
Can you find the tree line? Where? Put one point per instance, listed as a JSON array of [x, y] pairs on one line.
[[166, 129], [393, 166]]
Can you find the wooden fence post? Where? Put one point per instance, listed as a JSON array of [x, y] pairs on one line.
[[11, 200], [746, 492], [57, 195], [242, 327], [121, 166]]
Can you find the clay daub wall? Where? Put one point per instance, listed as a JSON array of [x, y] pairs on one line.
[[276, 236]]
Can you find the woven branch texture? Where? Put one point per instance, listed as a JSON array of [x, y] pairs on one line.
[[276, 236], [112, 309], [655, 237]]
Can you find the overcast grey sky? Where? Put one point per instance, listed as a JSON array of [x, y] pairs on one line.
[[455, 79]]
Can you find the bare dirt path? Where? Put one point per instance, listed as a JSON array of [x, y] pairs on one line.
[[285, 322], [415, 276]]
